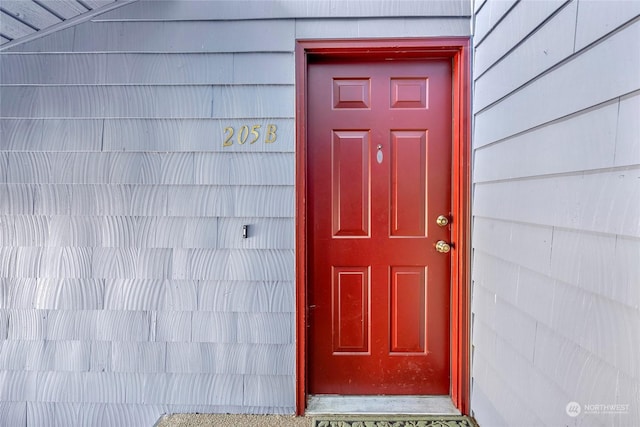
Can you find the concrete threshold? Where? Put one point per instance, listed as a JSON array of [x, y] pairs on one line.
[[380, 405]]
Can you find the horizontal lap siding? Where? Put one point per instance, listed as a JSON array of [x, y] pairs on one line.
[[515, 26], [126, 289], [556, 207]]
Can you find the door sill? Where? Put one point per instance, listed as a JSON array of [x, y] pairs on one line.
[[380, 405]]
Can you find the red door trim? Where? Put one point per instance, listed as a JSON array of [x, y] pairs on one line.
[[456, 48]]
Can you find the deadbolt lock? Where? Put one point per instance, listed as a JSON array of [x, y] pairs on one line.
[[442, 246], [442, 220]]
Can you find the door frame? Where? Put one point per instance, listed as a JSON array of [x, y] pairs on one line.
[[457, 49]]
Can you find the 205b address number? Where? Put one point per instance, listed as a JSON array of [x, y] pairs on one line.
[[249, 135]]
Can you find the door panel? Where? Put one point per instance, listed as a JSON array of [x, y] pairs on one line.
[[408, 183], [350, 309], [408, 310], [350, 178], [378, 173]]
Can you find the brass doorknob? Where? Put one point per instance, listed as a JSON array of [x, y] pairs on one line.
[[442, 220], [442, 246]]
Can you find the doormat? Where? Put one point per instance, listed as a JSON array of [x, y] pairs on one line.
[[395, 421]]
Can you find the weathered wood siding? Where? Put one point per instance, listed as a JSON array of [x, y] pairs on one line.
[[556, 208], [126, 289]]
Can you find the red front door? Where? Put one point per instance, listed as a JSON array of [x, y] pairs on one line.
[[379, 175]]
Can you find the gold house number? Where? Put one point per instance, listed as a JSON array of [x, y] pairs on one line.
[[249, 135]]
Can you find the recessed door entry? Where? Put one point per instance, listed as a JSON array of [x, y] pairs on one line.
[[379, 143]]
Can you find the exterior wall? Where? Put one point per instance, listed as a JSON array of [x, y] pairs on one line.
[[556, 208], [126, 288]]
